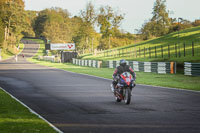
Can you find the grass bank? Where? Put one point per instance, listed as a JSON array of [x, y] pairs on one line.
[[15, 118], [176, 46], [165, 80], [6, 54]]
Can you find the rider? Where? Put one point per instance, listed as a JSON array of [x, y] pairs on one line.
[[121, 69]]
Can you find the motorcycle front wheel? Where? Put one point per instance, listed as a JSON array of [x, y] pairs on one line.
[[127, 97]]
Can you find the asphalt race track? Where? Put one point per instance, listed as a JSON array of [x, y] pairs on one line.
[[77, 103]]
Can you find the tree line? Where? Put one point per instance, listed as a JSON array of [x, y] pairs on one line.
[[94, 28], [161, 24], [14, 23], [56, 25]]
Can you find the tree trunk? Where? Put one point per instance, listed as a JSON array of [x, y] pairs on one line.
[[87, 42], [5, 33], [8, 29]]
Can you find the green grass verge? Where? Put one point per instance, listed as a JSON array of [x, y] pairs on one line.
[[165, 80], [15, 118], [41, 51], [7, 54]]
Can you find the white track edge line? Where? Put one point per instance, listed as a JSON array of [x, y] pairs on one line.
[[32, 111]]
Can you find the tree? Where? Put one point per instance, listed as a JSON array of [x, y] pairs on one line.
[[109, 22], [1, 33], [54, 24], [89, 14], [11, 11], [84, 36], [13, 21], [147, 30], [160, 18], [159, 24], [30, 20], [104, 21], [196, 22], [87, 31], [40, 20]]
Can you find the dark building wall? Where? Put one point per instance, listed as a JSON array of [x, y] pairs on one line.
[[47, 46], [67, 56]]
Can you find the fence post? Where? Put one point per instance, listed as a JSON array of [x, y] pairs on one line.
[[179, 50], [175, 47], [139, 51], [155, 52], [135, 52], [184, 49], [132, 52], [112, 53], [168, 51], [144, 51], [192, 48], [162, 50], [150, 52]]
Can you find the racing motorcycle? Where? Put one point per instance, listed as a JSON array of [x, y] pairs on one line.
[[124, 87]]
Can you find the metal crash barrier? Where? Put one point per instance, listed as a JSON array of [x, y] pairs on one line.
[[192, 69], [157, 67]]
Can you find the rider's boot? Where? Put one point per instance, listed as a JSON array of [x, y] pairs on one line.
[[112, 88]]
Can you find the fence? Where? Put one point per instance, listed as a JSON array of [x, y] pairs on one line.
[[192, 69], [163, 51], [49, 58], [89, 63], [158, 67]]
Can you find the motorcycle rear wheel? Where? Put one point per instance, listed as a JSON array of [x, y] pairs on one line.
[[127, 98]]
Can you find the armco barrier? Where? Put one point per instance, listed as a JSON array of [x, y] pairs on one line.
[[50, 58], [47, 58], [147, 66], [89, 63], [158, 67], [192, 69]]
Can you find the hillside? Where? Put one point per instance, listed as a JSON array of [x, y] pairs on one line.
[[182, 46], [10, 52]]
